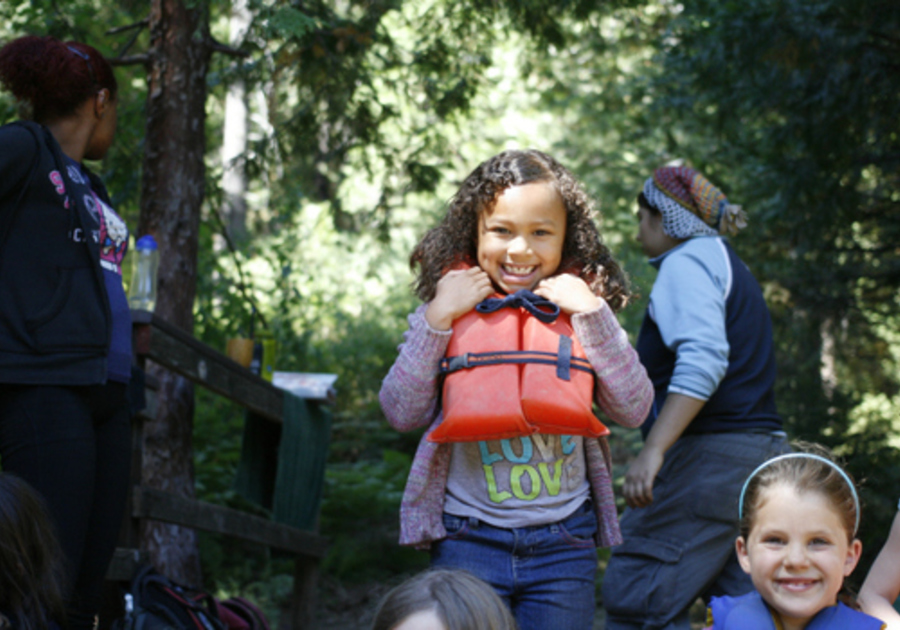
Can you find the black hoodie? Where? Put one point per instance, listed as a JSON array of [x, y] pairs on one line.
[[55, 321]]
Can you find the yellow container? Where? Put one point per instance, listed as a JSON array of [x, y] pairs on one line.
[[240, 350]]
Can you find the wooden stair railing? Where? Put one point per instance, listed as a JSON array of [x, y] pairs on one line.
[[175, 350]]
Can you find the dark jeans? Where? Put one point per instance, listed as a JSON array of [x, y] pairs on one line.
[[681, 546], [545, 574], [73, 445]]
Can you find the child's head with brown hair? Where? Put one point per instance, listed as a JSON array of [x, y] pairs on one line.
[[455, 240], [31, 571], [799, 517], [450, 599]]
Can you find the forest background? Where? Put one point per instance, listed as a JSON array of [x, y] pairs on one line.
[[331, 134]]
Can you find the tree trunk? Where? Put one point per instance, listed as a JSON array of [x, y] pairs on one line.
[[171, 196]]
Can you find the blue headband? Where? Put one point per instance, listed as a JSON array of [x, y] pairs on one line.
[[87, 60], [810, 456]]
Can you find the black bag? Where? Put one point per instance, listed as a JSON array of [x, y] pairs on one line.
[[154, 602]]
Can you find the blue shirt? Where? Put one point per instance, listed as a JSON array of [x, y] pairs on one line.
[[113, 247]]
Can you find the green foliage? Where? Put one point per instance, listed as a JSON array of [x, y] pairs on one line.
[[290, 23], [360, 514]]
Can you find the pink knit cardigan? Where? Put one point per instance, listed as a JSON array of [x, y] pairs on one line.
[[409, 397]]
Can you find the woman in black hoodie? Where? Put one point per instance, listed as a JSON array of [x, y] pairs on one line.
[[65, 327]]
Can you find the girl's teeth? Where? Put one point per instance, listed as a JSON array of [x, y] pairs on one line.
[[520, 271]]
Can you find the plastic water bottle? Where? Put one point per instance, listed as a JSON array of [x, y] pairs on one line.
[[145, 263]]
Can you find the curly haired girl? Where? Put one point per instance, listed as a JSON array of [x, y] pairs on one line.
[[516, 339]]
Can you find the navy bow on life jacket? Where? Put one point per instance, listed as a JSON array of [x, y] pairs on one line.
[[524, 298]]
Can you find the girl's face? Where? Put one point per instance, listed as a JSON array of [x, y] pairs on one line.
[[520, 240], [797, 553]]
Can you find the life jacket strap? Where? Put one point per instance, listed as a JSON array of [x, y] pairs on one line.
[[564, 361], [564, 358]]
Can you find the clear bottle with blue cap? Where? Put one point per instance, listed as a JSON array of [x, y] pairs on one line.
[[145, 263]]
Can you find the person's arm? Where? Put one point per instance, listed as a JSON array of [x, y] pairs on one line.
[[882, 585], [688, 305], [409, 392], [677, 413], [20, 149]]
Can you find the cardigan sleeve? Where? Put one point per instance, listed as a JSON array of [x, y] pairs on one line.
[[409, 393], [624, 391]]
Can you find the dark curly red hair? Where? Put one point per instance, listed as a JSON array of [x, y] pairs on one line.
[[455, 239], [54, 77]]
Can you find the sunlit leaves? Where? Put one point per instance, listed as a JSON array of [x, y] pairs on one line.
[[290, 23]]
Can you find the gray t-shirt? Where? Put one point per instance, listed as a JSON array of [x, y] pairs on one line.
[[519, 482]]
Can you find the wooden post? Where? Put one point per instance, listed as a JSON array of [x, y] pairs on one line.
[[303, 601]]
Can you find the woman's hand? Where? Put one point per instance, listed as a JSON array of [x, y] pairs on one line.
[[457, 293], [638, 487], [570, 293]]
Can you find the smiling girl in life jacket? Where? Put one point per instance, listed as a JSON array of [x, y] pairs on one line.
[[799, 516], [519, 299]]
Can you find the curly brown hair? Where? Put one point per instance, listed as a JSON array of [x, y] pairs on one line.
[[455, 239], [52, 76]]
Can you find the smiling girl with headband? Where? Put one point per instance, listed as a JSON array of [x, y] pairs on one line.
[[799, 519]]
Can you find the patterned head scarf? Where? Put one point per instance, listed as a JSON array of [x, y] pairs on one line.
[[690, 204]]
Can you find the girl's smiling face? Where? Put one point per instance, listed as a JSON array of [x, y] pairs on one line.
[[520, 239], [797, 553]]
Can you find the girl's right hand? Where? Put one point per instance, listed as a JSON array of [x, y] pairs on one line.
[[457, 293]]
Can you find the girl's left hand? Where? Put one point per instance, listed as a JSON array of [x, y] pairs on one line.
[[569, 292]]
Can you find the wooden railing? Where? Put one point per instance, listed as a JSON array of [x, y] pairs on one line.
[[173, 349]]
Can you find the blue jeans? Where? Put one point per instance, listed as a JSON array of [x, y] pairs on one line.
[[545, 574], [681, 546]]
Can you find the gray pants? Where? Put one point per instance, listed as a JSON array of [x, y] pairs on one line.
[[681, 546]]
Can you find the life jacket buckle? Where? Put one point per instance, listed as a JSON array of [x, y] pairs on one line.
[[459, 362]]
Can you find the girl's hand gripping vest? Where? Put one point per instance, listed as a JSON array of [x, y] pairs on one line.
[[513, 368]]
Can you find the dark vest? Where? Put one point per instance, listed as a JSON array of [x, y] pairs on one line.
[[745, 398]]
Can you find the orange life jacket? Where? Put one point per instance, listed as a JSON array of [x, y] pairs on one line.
[[509, 374]]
